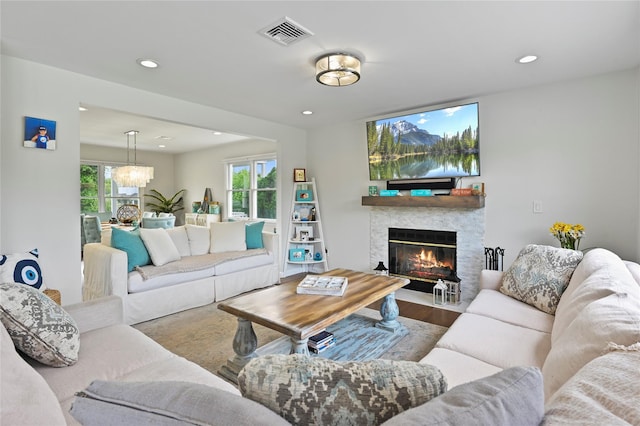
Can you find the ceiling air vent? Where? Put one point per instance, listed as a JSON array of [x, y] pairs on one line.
[[285, 31]]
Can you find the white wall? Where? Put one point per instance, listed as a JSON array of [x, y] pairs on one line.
[[574, 146], [40, 190], [198, 170]]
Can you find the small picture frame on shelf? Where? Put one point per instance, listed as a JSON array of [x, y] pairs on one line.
[[299, 175], [304, 195], [304, 233], [477, 188], [296, 255], [295, 216]]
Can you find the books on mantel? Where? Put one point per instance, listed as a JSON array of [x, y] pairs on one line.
[[321, 342], [325, 285]]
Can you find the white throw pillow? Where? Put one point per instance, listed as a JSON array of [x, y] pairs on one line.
[[161, 248], [198, 239], [180, 239], [227, 236]]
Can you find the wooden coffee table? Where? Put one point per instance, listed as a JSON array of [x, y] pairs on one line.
[[301, 316]]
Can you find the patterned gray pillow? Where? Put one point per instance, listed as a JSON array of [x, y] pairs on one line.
[[314, 390], [38, 326], [539, 275]]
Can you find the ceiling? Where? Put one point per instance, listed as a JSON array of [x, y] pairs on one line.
[[414, 53], [106, 127]]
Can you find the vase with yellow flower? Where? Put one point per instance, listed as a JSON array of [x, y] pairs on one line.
[[568, 235]]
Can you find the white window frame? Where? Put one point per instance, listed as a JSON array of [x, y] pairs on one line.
[[252, 162], [101, 193]]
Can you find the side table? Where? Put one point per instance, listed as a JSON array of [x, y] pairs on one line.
[[53, 295]]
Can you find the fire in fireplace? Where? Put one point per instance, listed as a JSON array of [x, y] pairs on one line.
[[423, 256]]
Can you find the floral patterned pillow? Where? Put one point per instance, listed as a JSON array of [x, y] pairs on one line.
[[38, 326], [312, 390], [539, 275]]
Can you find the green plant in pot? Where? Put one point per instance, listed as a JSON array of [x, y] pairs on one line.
[[162, 204]]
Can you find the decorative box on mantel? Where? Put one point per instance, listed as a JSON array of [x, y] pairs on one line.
[[444, 201]]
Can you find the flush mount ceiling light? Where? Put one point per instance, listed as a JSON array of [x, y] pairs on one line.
[[147, 63], [527, 59], [132, 175], [337, 69]]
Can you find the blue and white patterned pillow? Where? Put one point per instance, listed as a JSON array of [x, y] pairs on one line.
[[21, 268], [316, 391], [539, 275]]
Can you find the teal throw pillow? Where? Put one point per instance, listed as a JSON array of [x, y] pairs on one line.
[[131, 243], [254, 235]]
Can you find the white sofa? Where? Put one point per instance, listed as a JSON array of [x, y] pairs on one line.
[[36, 394], [211, 265], [589, 351]]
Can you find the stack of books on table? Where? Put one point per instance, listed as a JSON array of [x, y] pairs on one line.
[[321, 342]]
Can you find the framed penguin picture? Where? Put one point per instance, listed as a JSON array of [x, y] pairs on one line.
[[299, 175], [39, 133]]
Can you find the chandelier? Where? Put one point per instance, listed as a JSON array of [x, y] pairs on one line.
[[132, 175], [337, 69]]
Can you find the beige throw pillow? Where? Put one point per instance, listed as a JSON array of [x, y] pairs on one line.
[[180, 239], [161, 248], [539, 275], [228, 236], [199, 239], [603, 392]]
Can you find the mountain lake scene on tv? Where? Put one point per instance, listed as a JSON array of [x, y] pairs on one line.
[[432, 144]]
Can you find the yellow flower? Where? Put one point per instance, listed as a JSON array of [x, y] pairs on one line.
[[568, 235]]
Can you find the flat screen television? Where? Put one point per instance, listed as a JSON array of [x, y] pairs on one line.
[[432, 144]]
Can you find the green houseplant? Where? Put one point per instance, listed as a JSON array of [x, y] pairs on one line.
[[162, 204]]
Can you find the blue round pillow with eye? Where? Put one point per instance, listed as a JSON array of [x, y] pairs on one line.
[[318, 256], [21, 268]]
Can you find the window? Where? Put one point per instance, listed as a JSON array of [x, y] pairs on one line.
[[251, 188], [101, 196]]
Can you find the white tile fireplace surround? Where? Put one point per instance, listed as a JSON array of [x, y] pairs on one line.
[[469, 225]]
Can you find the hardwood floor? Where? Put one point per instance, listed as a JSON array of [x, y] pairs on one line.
[[424, 313], [411, 310]]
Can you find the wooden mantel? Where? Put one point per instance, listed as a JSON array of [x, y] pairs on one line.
[[444, 201]]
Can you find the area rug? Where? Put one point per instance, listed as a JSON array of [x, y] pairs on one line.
[[204, 335]]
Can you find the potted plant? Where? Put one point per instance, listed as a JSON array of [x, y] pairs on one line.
[[163, 204]]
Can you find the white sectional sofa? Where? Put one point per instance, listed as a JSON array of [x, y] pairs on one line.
[[589, 351], [193, 266], [36, 394]]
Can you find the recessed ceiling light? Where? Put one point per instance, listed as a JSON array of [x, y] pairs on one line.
[[148, 63], [81, 108], [217, 133], [527, 59], [162, 146], [307, 112]]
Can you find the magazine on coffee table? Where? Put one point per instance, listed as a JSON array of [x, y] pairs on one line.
[[325, 285]]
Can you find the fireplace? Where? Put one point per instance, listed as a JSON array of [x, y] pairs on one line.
[[423, 256], [467, 223]]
